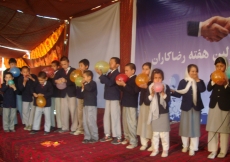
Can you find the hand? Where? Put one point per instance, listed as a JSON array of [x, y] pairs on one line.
[[13, 86], [143, 86], [119, 82], [30, 77], [58, 81], [98, 71], [171, 90], [197, 78], [153, 92], [52, 76], [35, 94], [62, 80], [40, 95]]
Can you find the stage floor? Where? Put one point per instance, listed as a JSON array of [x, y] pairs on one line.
[[21, 146]]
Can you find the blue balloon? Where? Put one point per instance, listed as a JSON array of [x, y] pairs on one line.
[[15, 71], [10, 82], [228, 72]]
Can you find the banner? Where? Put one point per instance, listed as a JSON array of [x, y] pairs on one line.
[[161, 38]]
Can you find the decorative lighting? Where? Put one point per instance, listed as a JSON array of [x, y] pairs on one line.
[[114, 1], [16, 49], [96, 7], [46, 17], [20, 11]]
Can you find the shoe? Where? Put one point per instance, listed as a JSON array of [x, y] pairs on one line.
[[57, 130], [52, 128], [221, 155], [150, 149], [131, 146], [164, 154], [63, 131], [116, 141], [85, 141], [191, 152], [72, 132], [29, 128], [46, 133], [105, 139], [6, 131], [125, 142], [154, 153], [12, 130], [78, 132], [212, 155], [185, 149], [93, 141], [33, 132], [142, 148], [26, 128]]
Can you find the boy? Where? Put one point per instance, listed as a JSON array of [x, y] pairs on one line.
[[89, 88], [42, 88], [25, 84], [112, 113], [56, 98], [9, 102], [68, 96], [129, 102], [83, 65]]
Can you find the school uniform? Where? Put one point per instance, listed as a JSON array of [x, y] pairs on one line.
[[28, 109], [80, 101], [90, 111], [190, 114], [112, 115], [47, 90], [129, 102], [9, 107], [68, 100], [218, 117]]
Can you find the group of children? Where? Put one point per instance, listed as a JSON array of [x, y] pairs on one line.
[[153, 119]]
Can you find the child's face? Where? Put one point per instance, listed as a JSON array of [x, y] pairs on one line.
[[54, 66], [8, 77], [193, 72], [64, 64], [42, 80], [82, 67], [220, 66], [87, 78], [146, 70], [112, 64], [157, 78], [25, 72], [128, 71], [12, 65]]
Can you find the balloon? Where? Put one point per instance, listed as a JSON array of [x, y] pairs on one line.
[[122, 77], [228, 72], [15, 71], [10, 82], [74, 74], [61, 85], [41, 101], [218, 76], [142, 79], [103, 66], [49, 71], [158, 87], [79, 80]]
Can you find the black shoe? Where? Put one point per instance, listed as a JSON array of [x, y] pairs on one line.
[[33, 132], [52, 128], [116, 141], [85, 141], [57, 130], [12, 130], [63, 131], [93, 141], [46, 133], [6, 131], [105, 139]]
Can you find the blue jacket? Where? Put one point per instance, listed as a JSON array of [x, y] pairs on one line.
[[9, 96], [56, 91], [90, 94]]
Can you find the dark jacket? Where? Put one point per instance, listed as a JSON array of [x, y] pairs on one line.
[[111, 88], [162, 110], [90, 94], [220, 95], [70, 89], [130, 93], [187, 99], [27, 95], [9, 96], [56, 91], [144, 95], [15, 80], [193, 28], [79, 93]]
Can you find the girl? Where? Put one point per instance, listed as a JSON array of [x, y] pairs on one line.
[[159, 113], [144, 130], [218, 116], [190, 88]]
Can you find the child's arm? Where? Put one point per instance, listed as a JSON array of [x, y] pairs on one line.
[[4, 87], [108, 81], [210, 85], [90, 86], [131, 88], [167, 93], [181, 86], [21, 86], [49, 91], [201, 86]]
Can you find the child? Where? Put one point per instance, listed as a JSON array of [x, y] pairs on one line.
[[159, 113], [42, 88], [89, 88], [83, 65], [144, 130], [129, 102], [9, 103], [25, 84], [218, 115], [190, 88], [68, 96], [112, 113]]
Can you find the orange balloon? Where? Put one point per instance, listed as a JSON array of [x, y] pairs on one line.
[[142, 79], [74, 74], [218, 77], [41, 101]]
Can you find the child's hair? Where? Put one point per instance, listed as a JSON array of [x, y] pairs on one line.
[[147, 64], [132, 66], [84, 62], [8, 73], [157, 71], [56, 62], [64, 58], [12, 60], [192, 65], [89, 73], [25, 67], [42, 75], [116, 59], [220, 60]]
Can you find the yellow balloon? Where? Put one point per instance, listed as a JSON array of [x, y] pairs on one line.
[[41, 101], [74, 74], [103, 66]]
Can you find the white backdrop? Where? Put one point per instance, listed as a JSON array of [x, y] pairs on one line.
[[95, 37]]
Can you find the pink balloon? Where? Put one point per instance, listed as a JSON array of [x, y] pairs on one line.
[[158, 87], [61, 86]]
